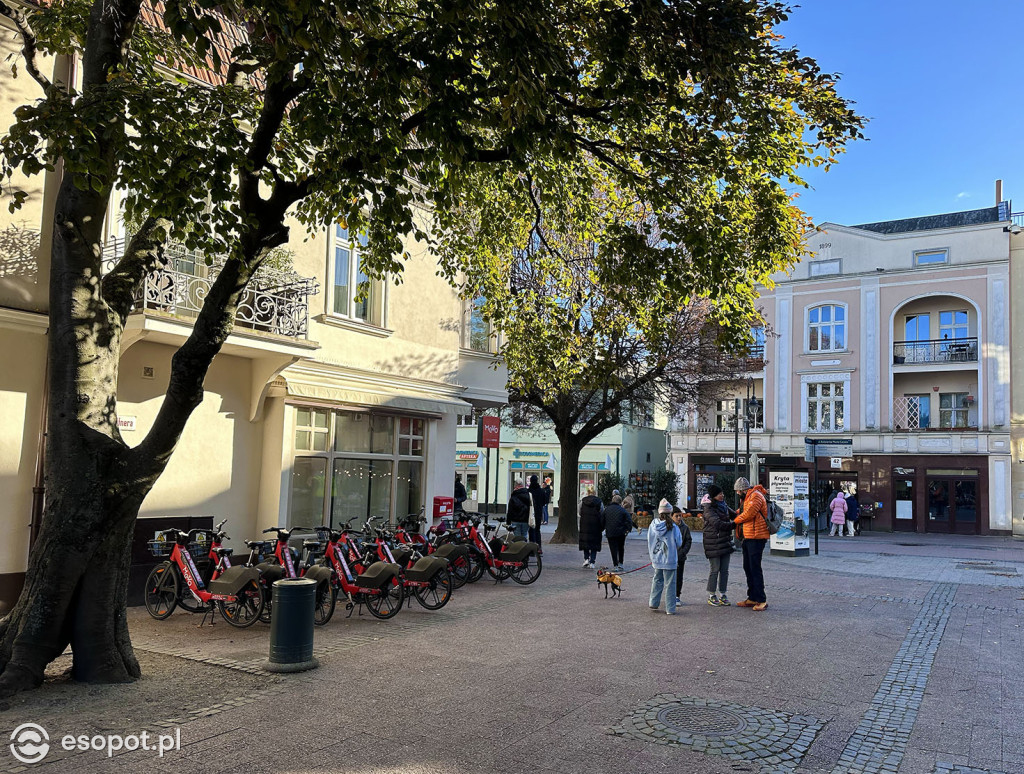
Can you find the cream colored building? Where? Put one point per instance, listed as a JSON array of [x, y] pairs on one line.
[[321, 406], [894, 336]]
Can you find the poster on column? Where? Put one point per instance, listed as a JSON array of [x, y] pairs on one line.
[[790, 490]]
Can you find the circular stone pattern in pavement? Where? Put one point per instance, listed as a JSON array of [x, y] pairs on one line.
[[706, 721]]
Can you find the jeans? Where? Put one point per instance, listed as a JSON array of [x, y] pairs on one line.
[[679, 575], [520, 528], [752, 550], [590, 555], [545, 519], [617, 545], [718, 578], [664, 580]]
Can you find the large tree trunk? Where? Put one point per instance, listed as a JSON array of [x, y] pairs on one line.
[[568, 529]]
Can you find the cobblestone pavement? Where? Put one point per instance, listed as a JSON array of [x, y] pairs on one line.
[[872, 656]]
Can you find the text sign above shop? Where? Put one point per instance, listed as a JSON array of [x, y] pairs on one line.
[[488, 433]]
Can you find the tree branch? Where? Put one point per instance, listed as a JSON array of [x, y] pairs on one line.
[[143, 254], [30, 44]]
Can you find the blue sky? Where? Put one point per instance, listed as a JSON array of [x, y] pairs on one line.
[[940, 82]]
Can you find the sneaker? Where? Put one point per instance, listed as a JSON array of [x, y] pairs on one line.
[[587, 564], [746, 603], [724, 601], [678, 601], [760, 606], [670, 612], [713, 600]]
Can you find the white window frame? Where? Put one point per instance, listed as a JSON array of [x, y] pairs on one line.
[[944, 251], [826, 378], [951, 328], [845, 323], [725, 419], [959, 408], [379, 287], [466, 340]]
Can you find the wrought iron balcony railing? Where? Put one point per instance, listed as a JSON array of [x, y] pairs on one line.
[[275, 301], [935, 351]]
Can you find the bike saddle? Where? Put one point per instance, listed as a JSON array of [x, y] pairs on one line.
[[225, 551]]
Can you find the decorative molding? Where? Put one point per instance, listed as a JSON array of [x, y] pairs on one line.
[[26, 322], [869, 358], [998, 371], [819, 378], [335, 321], [784, 366]]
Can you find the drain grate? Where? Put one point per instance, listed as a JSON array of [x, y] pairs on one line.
[[774, 741], [706, 721]]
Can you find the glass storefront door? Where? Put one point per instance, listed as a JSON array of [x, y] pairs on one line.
[[903, 489], [953, 501]]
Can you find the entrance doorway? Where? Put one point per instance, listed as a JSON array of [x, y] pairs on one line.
[[830, 482], [952, 501], [904, 517]]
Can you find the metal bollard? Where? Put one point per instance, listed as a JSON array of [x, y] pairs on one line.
[[291, 626]]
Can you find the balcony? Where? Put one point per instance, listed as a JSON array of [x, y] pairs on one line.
[[276, 302], [909, 417], [935, 351]]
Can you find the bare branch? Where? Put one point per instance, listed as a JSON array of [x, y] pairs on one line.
[[29, 44]]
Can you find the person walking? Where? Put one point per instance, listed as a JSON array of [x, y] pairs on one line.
[[718, 528], [752, 522], [591, 527], [837, 507], [460, 493], [684, 549], [663, 542], [518, 512], [617, 524], [852, 514], [548, 495], [537, 499]]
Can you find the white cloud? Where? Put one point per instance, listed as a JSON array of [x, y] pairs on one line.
[[963, 195]]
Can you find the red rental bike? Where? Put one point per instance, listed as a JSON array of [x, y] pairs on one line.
[[459, 565], [286, 563], [519, 559], [234, 591], [363, 580], [427, 577]]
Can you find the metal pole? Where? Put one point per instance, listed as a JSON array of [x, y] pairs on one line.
[[497, 478], [814, 497], [487, 484], [746, 426], [736, 454]]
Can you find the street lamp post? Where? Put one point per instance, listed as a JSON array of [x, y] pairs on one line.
[[749, 417], [736, 453]]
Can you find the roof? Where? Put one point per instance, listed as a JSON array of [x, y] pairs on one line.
[[947, 220]]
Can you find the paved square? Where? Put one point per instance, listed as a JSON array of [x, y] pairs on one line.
[[872, 657]]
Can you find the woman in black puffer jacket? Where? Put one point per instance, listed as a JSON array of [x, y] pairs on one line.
[[718, 528]]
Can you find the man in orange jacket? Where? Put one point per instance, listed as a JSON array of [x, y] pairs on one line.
[[753, 524]]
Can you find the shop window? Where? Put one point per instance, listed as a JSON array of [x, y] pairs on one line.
[[826, 328], [363, 432], [361, 488], [953, 409], [311, 430], [410, 436]]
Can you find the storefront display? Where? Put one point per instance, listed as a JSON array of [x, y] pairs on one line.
[[790, 489]]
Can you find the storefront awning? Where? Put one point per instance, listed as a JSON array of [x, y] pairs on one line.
[[408, 402]]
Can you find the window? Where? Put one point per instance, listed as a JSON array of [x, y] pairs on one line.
[[476, 330], [826, 407], [920, 409], [917, 327], [929, 257], [725, 414], [826, 328], [953, 325], [353, 293], [953, 409], [756, 349], [820, 268], [355, 464], [466, 420]]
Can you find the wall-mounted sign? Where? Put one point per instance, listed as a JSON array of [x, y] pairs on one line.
[[488, 433], [836, 462], [126, 423], [517, 453]]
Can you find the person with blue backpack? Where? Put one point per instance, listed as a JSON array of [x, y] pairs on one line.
[[663, 543]]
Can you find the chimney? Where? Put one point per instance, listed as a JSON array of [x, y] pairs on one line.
[[999, 191]]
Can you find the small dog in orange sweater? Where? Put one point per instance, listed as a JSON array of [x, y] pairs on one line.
[[606, 579]]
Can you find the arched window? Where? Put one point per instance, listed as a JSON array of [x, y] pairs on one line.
[[826, 328]]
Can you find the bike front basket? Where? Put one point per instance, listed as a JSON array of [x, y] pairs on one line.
[[160, 548]]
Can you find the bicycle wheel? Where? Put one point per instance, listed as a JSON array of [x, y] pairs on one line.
[[460, 568], [388, 602], [436, 595], [162, 590], [326, 599], [477, 564], [528, 572], [244, 610], [498, 573], [268, 596]]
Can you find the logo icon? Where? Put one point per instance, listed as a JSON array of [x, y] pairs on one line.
[[30, 743]]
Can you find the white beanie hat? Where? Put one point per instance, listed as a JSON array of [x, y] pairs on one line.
[[664, 506]]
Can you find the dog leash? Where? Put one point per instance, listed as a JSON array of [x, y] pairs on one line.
[[627, 572]]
